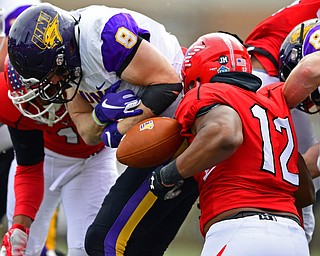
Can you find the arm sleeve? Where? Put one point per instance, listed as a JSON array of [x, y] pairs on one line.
[[28, 145], [29, 179], [6, 142], [29, 189]]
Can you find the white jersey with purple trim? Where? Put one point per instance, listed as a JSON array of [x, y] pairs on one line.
[[106, 39]]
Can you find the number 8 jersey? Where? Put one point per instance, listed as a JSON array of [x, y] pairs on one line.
[[108, 41]]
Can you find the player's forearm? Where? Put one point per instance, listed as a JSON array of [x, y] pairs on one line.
[[305, 195], [311, 158], [125, 124], [23, 220], [88, 129], [211, 146], [303, 80]]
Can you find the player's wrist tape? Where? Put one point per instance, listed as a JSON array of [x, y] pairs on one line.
[[96, 119], [169, 174]]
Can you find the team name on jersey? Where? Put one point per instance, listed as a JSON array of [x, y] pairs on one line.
[[92, 97]]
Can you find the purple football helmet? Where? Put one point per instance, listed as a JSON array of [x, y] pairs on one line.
[[42, 48], [291, 52], [291, 49]]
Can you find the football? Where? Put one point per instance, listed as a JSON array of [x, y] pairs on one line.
[[150, 142]]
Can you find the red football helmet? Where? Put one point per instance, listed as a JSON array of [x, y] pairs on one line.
[[212, 54]]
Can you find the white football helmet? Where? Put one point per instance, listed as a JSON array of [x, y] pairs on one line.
[[28, 102]]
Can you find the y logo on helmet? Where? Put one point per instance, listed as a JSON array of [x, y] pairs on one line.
[[46, 34]]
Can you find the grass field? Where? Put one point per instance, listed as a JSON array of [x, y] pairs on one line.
[[188, 241]]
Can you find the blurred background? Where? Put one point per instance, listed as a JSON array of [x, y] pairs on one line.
[[188, 19]]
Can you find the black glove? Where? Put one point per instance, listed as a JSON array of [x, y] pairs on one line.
[[165, 181]]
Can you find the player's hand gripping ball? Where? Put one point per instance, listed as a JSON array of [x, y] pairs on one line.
[[150, 142]]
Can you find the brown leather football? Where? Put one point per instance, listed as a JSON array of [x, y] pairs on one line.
[[151, 142]]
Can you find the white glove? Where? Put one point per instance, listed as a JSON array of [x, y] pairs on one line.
[[14, 242]]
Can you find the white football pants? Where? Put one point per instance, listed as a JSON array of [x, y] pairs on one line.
[[80, 185]]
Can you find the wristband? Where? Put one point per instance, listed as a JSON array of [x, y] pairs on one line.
[[169, 174], [96, 120], [21, 227]]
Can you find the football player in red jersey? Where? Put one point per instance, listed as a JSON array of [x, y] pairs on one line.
[[53, 165], [263, 43], [243, 150]]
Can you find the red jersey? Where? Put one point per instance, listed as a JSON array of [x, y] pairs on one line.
[[61, 138], [270, 33], [263, 172]]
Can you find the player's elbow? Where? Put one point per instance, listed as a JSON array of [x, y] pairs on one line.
[[226, 138], [231, 139], [91, 138]]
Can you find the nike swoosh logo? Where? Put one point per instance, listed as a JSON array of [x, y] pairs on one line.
[[105, 105], [99, 87]]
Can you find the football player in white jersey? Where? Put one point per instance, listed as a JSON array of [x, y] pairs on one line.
[[68, 162], [114, 67]]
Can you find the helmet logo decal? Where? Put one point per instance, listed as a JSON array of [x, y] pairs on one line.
[[223, 59], [148, 125], [295, 37], [46, 34], [223, 69], [191, 52], [241, 62]]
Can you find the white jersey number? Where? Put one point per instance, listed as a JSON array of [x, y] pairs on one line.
[[70, 135], [268, 154]]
